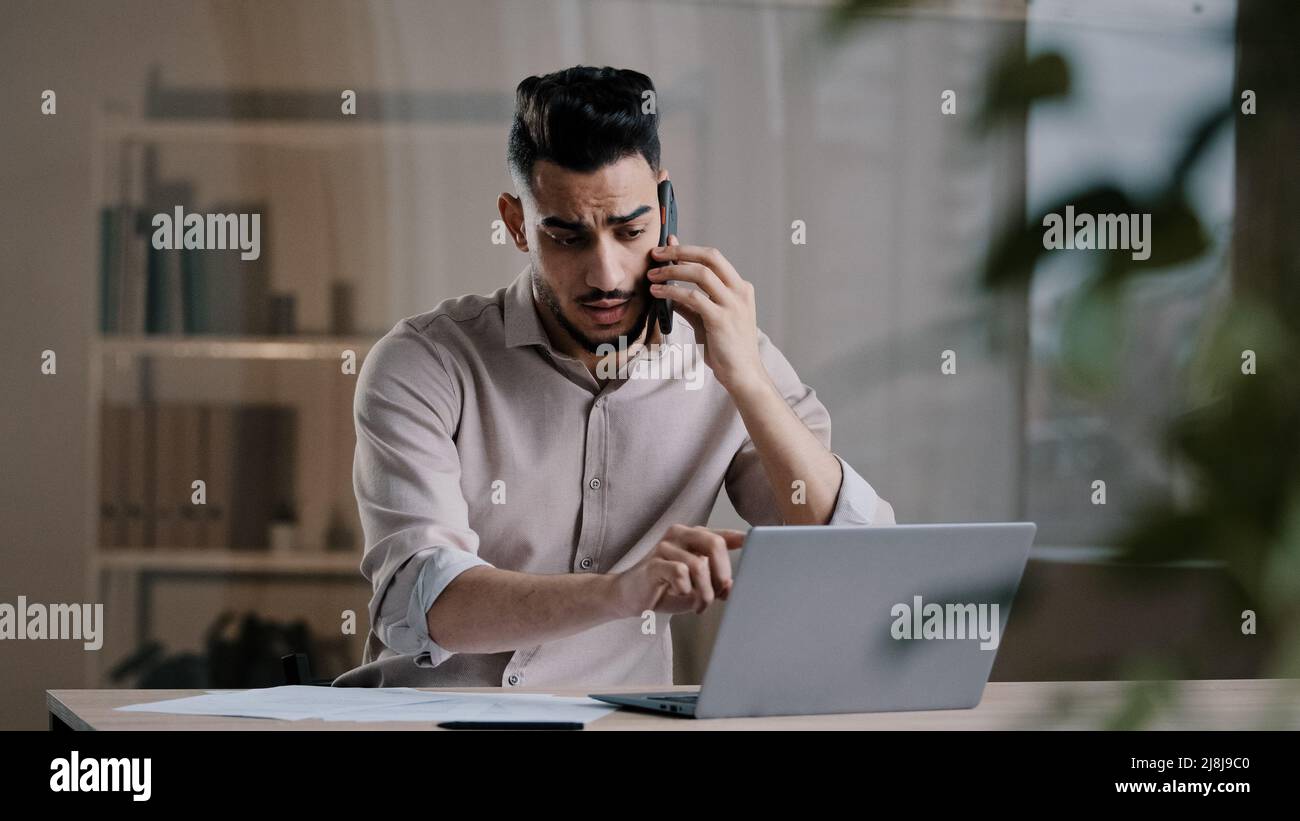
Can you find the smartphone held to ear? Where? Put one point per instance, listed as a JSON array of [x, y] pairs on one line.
[[661, 310]]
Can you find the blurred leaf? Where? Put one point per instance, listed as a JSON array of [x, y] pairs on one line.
[[1148, 692], [1176, 236], [845, 17], [1242, 324], [1282, 565], [1245, 448], [1016, 251], [1015, 84], [1208, 531], [1163, 534]]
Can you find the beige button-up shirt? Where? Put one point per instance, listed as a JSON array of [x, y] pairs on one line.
[[480, 443]]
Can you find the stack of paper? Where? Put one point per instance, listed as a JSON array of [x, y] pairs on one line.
[[298, 701]]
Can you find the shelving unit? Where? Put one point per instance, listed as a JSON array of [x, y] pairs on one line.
[[125, 578], [222, 562], [232, 347], [281, 133]]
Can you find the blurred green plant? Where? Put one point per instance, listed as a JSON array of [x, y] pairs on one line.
[[1239, 438]]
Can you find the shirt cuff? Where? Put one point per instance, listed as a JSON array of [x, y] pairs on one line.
[[440, 567], [856, 504]]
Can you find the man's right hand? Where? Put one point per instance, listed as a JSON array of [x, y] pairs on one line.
[[686, 570]]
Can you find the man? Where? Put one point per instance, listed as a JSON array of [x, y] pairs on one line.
[[534, 513]]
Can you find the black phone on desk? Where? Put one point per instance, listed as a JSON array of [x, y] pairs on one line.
[[661, 310]]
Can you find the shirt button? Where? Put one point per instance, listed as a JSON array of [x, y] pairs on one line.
[[587, 563], [594, 484], [514, 679]]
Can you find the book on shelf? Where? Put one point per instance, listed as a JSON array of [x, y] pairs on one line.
[[190, 462], [171, 490], [151, 453], [164, 297], [134, 471], [237, 291], [112, 497], [262, 475], [110, 276], [220, 448], [144, 290]]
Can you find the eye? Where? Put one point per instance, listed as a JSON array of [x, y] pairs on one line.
[[566, 242], [634, 234]]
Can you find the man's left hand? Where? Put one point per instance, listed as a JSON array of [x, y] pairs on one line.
[[722, 311]]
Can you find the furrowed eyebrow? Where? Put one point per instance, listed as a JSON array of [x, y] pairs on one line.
[[567, 225], [556, 222], [638, 212]]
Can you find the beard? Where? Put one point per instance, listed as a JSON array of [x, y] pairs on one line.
[[589, 344]]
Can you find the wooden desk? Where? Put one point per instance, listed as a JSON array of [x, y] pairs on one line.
[[1236, 704]]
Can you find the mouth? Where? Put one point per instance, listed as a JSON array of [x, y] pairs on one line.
[[606, 311]]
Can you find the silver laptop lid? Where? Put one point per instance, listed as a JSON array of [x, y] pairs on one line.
[[864, 619]]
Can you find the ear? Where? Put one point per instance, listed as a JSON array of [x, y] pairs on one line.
[[512, 214], [663, 175]]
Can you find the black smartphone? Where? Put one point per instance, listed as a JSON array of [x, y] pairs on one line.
[[661, 310]]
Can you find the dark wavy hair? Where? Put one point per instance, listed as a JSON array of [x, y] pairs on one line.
[[581, 118]]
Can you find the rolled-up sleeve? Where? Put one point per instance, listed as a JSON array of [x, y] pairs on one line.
[[402, 618], [406, 476], [857, 503], [746, 481]]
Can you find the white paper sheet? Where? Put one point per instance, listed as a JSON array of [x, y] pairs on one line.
[[297, 701]]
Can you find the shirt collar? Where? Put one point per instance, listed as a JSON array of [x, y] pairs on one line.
[[523, 327]]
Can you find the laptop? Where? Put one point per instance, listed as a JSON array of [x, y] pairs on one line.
[[857, 620]]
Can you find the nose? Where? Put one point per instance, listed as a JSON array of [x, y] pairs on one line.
[[606, 270]]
